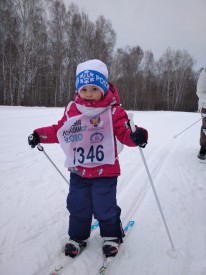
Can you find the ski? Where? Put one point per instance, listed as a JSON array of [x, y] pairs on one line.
[[107, 261], [95, 225], [64, 260]]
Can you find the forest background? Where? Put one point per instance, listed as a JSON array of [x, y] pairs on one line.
[[42, 42]]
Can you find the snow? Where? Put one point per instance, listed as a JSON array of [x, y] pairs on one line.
[[34, 218]]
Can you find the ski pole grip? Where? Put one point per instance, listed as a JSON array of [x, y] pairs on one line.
[[39, 147], [31, 137], [130, 115]]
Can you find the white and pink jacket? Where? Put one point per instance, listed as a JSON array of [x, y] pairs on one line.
[[88, 134]]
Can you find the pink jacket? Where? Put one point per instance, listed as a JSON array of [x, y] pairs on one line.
[[120, 126]]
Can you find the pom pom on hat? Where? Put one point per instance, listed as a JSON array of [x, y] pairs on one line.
[[92, 72]]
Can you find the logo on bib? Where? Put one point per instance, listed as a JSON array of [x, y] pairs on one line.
[[96, 122], [96, 137]]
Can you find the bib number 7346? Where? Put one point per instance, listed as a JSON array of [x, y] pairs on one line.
[[94, 154]]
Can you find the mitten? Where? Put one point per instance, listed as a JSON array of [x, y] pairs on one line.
[[33, 139], [139, 137]]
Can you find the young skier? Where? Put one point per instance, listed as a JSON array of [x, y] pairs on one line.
[[88, 134], [201, 93]]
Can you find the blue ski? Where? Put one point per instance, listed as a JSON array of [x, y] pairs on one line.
[[128, 226], [95, 225]]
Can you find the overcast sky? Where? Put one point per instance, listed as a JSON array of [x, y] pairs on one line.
[[154, 24]]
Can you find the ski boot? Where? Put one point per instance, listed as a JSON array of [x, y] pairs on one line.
[[74, 247], [111, 246], [202, 153]]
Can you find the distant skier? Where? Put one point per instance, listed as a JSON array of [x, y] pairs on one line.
[[201, 93], [87, 133]]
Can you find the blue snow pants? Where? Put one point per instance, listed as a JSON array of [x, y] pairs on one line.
[[88, 197]]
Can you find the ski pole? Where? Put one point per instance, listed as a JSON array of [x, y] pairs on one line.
[[41, 148], [152, 184], [188, 127]]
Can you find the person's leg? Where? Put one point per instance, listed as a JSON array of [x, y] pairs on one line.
[[105, 207], [79, 204], [203, 128], [202, 152]]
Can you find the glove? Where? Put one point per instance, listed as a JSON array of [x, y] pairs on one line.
[[33, 139], [139, 137]]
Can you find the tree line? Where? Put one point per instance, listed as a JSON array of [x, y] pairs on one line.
[[42, 42]]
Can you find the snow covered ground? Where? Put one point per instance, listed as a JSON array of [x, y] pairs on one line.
[[34, 219]]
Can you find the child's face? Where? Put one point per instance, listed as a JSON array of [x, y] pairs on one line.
[[90, 93]]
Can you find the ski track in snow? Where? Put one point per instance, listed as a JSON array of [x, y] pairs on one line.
[[34, 218]]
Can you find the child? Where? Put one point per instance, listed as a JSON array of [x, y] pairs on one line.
[[87, 133], [201, 93]]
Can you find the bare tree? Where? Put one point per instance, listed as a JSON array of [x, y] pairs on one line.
[[148, 86], [126, 73], [58, 42], [9, 34], [104, 40], [20, 28], [174, 70]]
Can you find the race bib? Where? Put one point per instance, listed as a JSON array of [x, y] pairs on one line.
[[87, 140]]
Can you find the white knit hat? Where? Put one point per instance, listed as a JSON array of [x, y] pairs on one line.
[[92, 72]]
